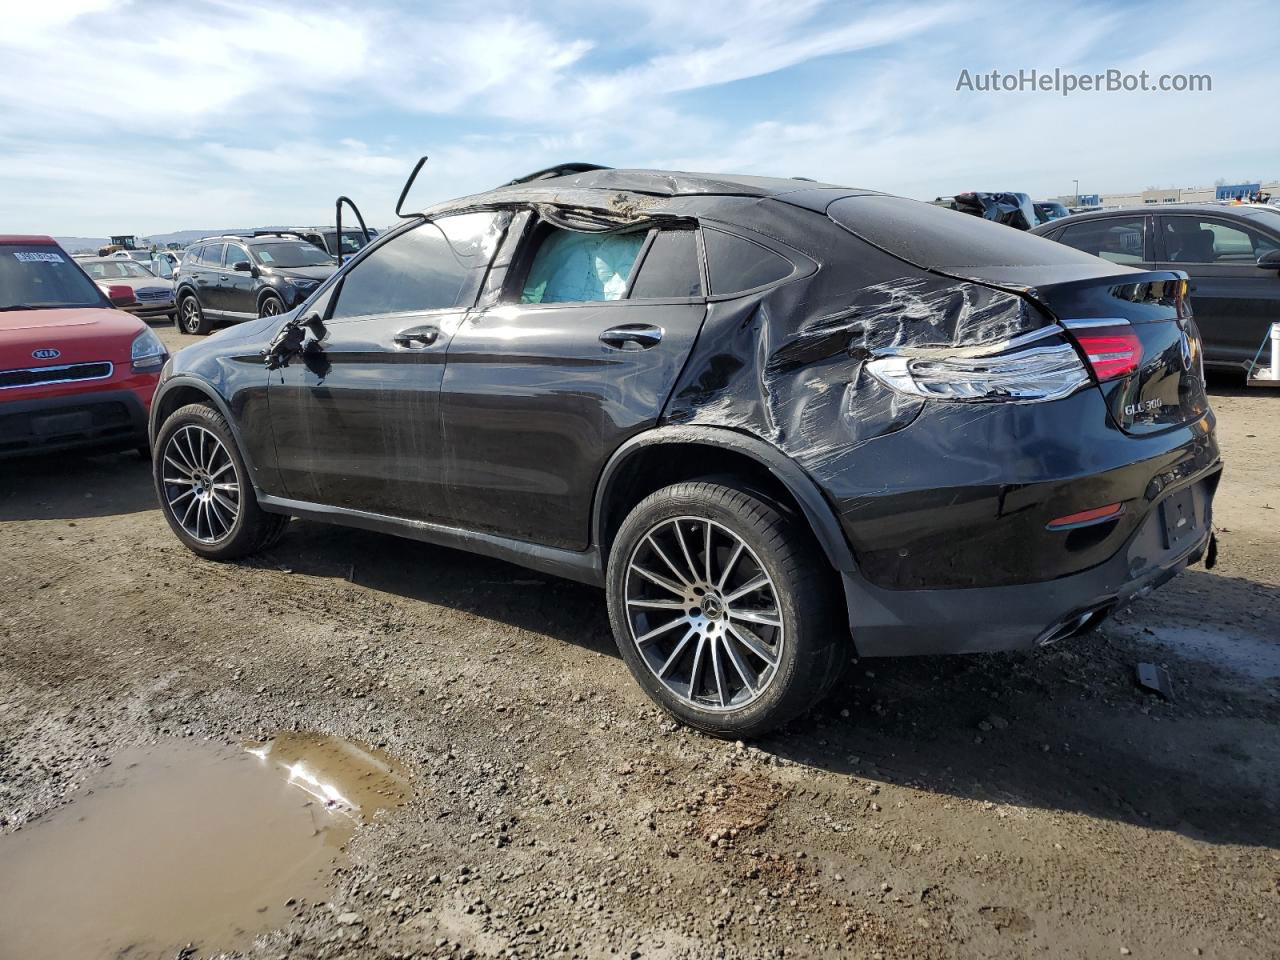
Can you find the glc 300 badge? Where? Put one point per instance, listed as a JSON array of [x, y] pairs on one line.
[[1147, 406], [46, 353]]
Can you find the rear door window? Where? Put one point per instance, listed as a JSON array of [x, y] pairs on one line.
[[434, 266], [1207, 240], [737, 264], [1116, 239], [571, 266], [211, 255], [671, 268]]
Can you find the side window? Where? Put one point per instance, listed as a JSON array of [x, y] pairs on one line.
[[235, 254], [736, 264], [670, 268], [570, 266], [434, 266], [193, 255], [1117, 239], [212, 255], [1193, 240]]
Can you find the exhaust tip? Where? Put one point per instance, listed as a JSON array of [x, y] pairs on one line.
[[1075, 625]]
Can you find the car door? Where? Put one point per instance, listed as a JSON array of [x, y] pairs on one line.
[[579, 351], [356, 418], [236, 287], [1234, 300], [206, 268]]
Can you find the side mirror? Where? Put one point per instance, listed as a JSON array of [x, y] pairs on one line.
[[1270, 260], [242, 266], [121, 296]]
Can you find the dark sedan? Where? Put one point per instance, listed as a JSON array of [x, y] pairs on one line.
[[779, 422], [1231, 254]]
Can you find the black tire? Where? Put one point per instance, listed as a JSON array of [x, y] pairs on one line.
[[270, 306], [190, 317], [810, 638], [252, 529]]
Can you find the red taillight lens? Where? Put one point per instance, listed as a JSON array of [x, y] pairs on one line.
[[121, 295], [1111, 352]]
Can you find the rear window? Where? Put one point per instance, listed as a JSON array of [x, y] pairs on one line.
[[34, 277], [931, 236]]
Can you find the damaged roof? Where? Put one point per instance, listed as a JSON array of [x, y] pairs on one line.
[[625, 193]]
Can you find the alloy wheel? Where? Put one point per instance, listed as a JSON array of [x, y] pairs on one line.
[[190, 315], [201, 486], [703, 613], [270, 307]]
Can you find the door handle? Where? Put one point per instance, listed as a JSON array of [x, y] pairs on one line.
[[416, 337], [632, 336]]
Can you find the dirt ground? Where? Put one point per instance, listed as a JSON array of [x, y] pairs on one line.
[[985, 806]]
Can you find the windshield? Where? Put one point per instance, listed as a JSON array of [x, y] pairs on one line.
[[290, 254], [351, 240], [38, 276], [109, 269]]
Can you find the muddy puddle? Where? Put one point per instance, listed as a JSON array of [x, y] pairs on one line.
[[187, 842]]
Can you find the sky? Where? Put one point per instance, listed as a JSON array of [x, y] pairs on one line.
[[149, 117]]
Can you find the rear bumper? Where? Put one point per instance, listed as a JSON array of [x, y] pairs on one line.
[[887, 622], [101, 418]]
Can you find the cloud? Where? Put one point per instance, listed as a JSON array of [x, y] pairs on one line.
[[146, 114]]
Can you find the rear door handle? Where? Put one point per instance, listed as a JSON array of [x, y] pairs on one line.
[[416, 337], [632, 336]]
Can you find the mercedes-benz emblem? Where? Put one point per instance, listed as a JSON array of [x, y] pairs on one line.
[[1186, 352]]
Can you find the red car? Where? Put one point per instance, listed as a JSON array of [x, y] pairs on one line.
[[74, 369]]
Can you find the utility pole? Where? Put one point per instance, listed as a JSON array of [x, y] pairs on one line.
[[1077, 183]]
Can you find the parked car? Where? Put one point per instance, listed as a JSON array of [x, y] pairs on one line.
[[153, 295], [237, 278], [165, 263], [1047, 210], [753, 410], [1231, 254], [74, 370], [327, 239], [138, 256]]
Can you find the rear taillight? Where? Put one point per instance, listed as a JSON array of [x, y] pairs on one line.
[[1025, 375], [1111, 351]]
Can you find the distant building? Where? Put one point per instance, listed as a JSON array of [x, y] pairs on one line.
[[1239, 191], [1162, 195]]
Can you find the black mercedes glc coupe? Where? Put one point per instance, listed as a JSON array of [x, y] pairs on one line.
[[781, 423]]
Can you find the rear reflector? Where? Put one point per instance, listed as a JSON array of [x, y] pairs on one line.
[[1111, 351], [1086, 517]]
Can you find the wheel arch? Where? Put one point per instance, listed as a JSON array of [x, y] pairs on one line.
[[270, 291], [180, 390], [671, 454]]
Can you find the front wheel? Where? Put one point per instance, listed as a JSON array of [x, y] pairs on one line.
[[204, 487], [271, 306], [724, 608], [191, 318]]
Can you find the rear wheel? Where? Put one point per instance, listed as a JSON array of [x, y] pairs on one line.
[[191, 318], [723, 608], [204, 487]]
